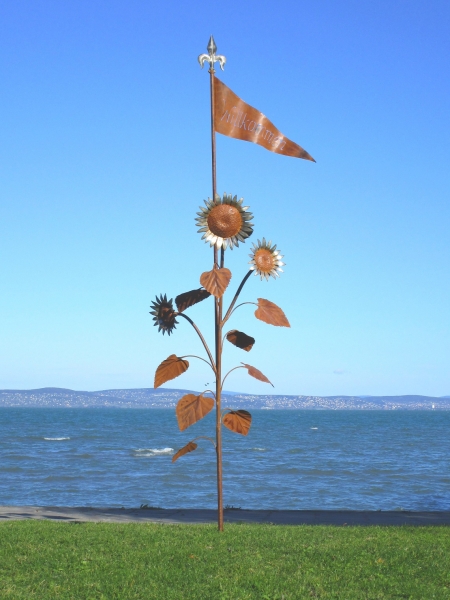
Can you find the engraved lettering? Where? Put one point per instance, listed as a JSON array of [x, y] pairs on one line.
[[248, 126], [234, 118], [243, 122]]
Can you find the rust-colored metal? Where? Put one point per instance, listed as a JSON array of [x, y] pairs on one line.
[[224, 222], [266, 260], [164, 314], [238, 421], [216, 281], [184, 301], [192, 408], [271, 313], [190, 447], [254, 372], [237, 119], [240, 339], [217, 301], [170, 368]]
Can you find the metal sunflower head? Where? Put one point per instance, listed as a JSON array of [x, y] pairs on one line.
[[266, 260], [224, 221], [164, 314]]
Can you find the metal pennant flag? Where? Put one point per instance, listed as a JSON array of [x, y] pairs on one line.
[[235, 118]]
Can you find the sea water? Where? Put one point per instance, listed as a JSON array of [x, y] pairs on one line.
[[291, 459]]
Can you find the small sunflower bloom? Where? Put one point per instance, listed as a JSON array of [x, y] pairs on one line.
[[163, 314], [224, 221], [266, 260]]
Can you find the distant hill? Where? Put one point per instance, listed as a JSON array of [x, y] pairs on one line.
[[168, 398]]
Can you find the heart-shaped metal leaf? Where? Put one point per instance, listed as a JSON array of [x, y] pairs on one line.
[[169, 369], [190, 447], [192, 408], [257, 374], [238, 421], [188, 299], [271, 313], [240, 339], [216, 281]]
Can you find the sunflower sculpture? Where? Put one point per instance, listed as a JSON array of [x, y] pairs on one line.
[[266, 260], [224, 222], [164, 314]]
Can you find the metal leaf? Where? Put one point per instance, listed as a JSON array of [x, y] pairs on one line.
[[188, 299], [192, 408], [257, 374], [190, 447], [216, 281], [271, 313], [238, 421], [169, 369], [240, 339]]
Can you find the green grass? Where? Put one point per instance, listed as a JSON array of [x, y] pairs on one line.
[[40, 560]]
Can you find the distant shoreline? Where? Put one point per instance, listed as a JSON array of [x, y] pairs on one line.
[[151, 398]]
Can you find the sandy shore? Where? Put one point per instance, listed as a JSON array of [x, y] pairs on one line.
[[276, 517]]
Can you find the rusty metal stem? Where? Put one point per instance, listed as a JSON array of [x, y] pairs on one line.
[[199, 358], [218, 326], [230, 371], [236, 296], [204, 437], [205, 345]]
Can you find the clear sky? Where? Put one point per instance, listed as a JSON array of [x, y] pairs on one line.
[[105, 158]]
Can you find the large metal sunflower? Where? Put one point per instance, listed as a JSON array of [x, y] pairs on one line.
[[164, 314], [224, 222], [266, 260]]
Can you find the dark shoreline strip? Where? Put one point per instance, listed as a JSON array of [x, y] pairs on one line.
[[198, 516]]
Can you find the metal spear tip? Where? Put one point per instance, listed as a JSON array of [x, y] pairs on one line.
[[211, 47]]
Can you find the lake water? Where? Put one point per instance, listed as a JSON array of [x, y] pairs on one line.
[[362, 460]]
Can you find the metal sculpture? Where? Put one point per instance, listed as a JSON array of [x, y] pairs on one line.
[[224, 223]]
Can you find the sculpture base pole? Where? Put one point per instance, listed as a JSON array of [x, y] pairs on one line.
[[217, 328]]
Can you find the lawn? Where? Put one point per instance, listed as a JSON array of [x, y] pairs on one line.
[[83, 561]]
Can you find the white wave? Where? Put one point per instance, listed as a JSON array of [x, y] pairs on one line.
[[60, 439], [314, 428], [153, 451], [259, 449]]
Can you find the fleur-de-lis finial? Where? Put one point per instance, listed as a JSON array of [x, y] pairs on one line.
[[212, 57]]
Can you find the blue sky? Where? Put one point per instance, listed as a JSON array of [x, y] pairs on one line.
[[105, 158]]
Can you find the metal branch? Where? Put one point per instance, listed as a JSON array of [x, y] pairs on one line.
[[195, 356], [205, 437], [241, 304], [230, 371], [236, 296], [205, 345]]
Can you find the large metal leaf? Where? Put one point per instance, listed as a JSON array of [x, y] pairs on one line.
[[271, 313], [190, 447], [238, 421], [192, 408], [188, 299], [240, 339], [216, 281], [169, 369], [257, 374]]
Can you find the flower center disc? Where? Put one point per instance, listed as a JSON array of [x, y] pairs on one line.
[[264, 260], [224, 221]]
